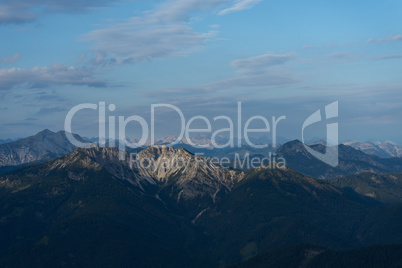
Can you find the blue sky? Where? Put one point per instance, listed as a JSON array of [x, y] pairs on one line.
[[277, 57]]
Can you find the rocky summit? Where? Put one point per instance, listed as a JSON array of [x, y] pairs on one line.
[[186, 174]]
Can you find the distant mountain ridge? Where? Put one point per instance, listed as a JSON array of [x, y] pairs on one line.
[[42, 147], [8, 140], [198, 141], [384, 150], [351, 161]]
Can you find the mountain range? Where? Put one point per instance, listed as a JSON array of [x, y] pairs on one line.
[[47, 145], [168, 207], [90, 208], [198, 141]]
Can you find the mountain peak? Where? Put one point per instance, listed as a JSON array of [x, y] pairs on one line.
[[293, 143], [292, 146], [45, 132], [157, 151]]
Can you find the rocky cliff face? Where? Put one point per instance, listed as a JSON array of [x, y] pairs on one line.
[[186, 174]]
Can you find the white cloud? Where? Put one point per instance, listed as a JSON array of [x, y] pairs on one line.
[[240, 5]]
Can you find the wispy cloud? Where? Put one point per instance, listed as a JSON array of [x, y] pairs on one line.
[[138, 41], [25, 11], [343, 56], [329, 45], [258, 71], [12, 13], [18, 124], [50, 110], [181, 10], [240, 5], [339, 55], [388, 57], [42, 77], [260, 63], [264, 80], [390, 38], [11, 59], [163, 32]]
